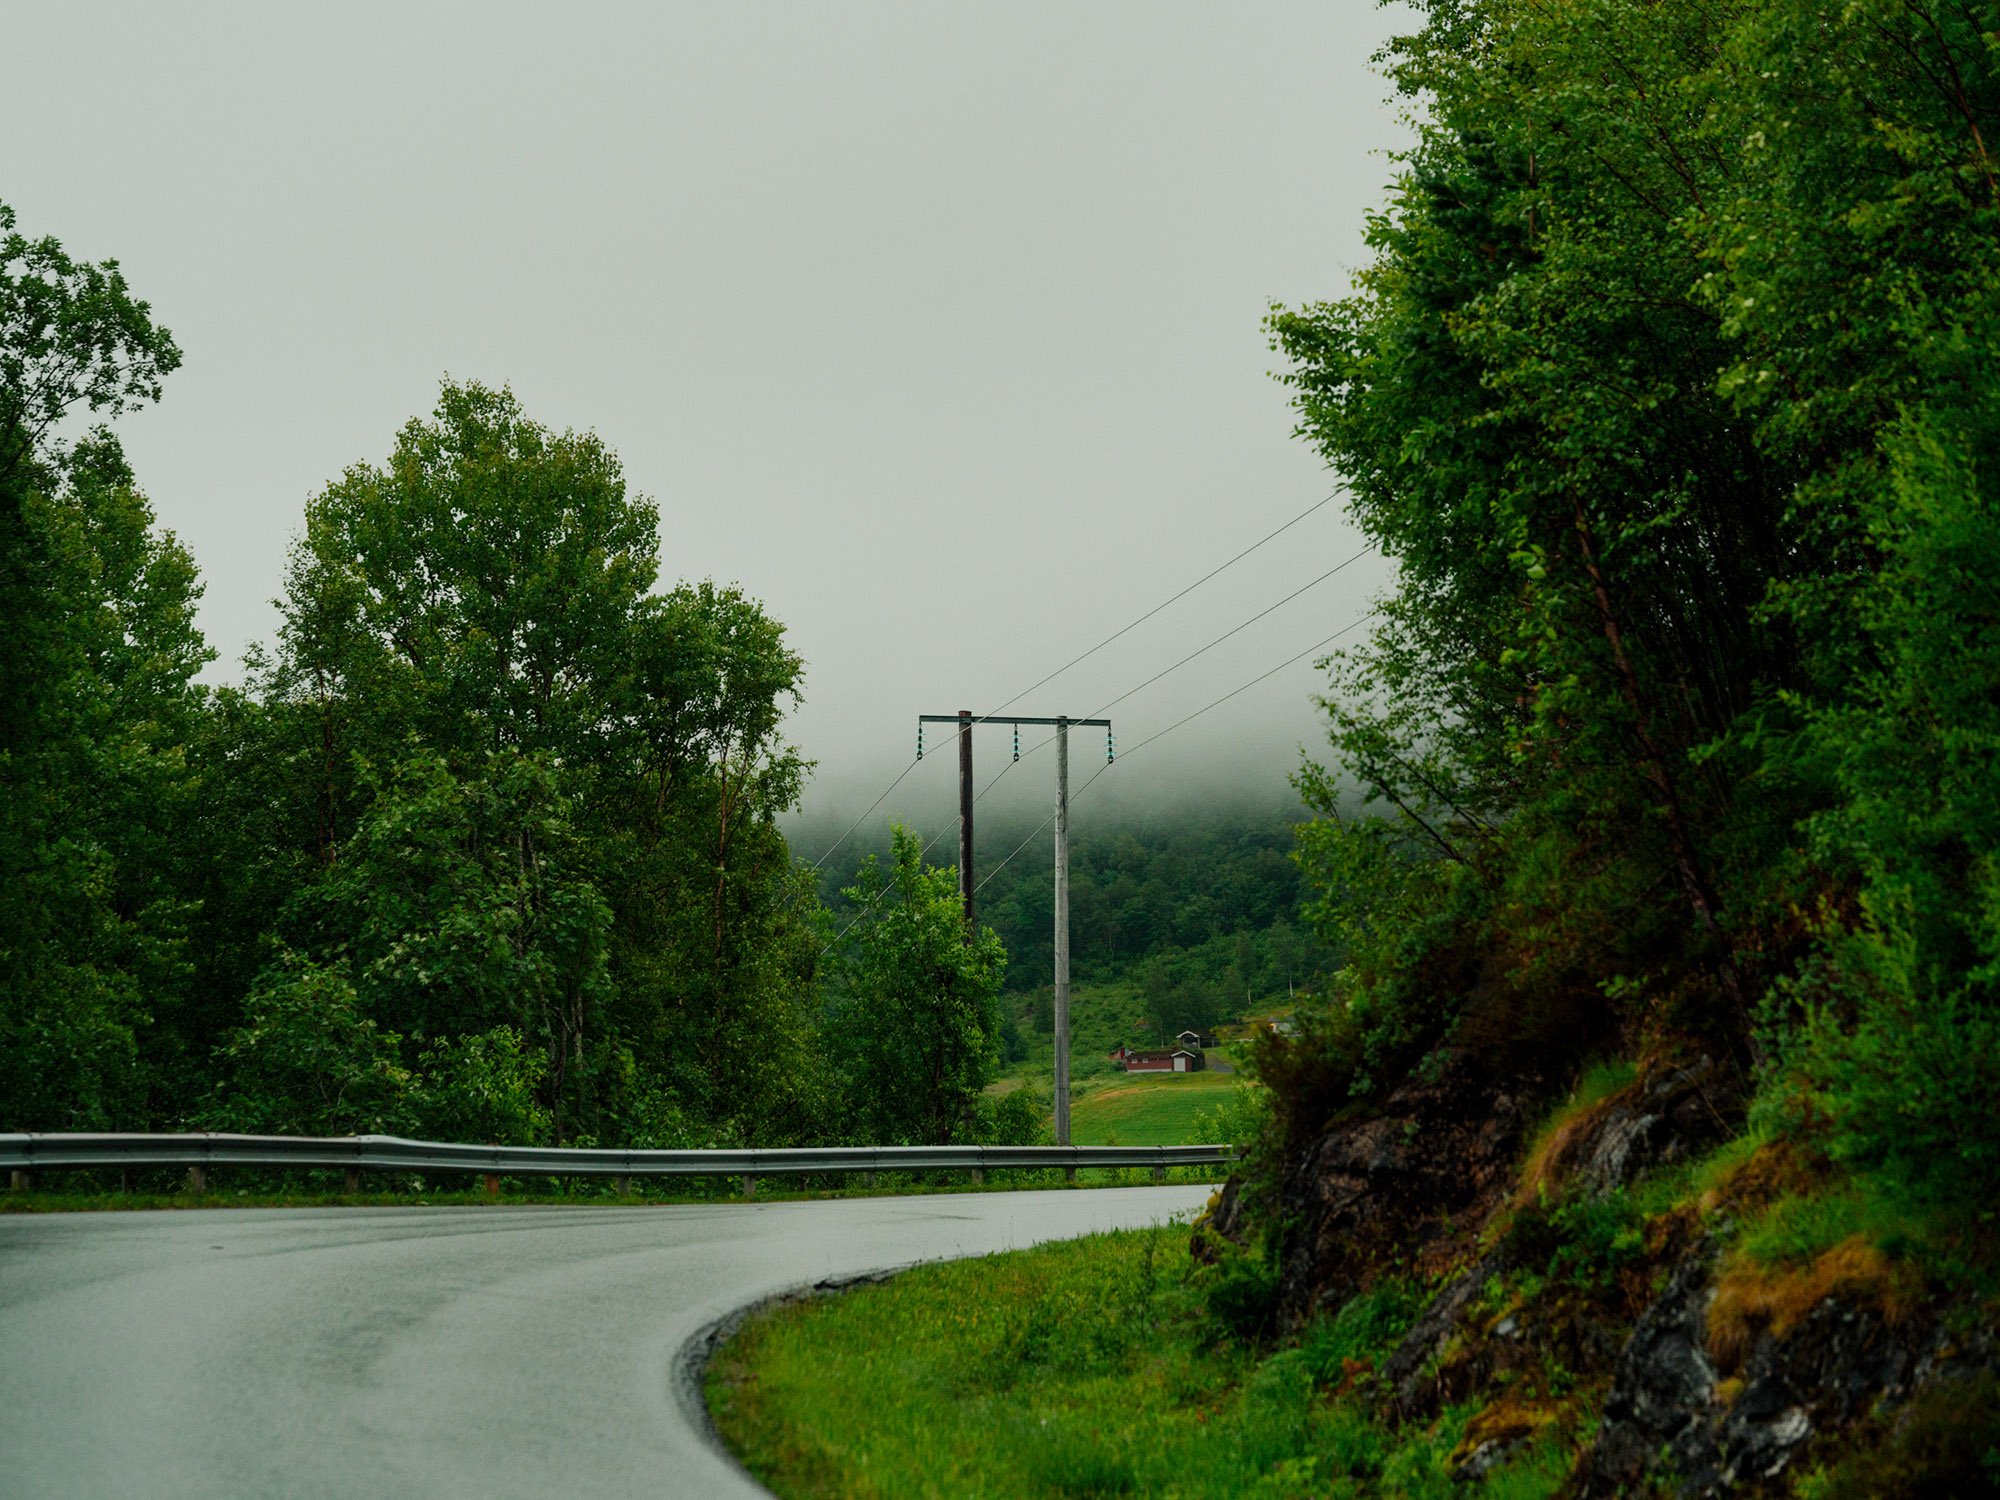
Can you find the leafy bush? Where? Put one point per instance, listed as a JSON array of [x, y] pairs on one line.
[[483, 1088], [1017, 1118], [1367, 1324], [1585, 1240], [308, 1062], [1903, 1064], [1946, 1444]]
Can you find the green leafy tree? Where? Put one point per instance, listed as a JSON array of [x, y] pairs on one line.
[[462, 907], [480, 605], [309, 1061], [1671, 390], [96, 801], [918, 1022], [484, 1087]]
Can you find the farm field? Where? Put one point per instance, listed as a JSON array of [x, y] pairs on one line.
[[1137, 1110]]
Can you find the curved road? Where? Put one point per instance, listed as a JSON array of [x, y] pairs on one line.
[[429, 1352]]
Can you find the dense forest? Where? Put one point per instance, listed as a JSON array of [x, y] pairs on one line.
[[1660, 1066], [1200, 909], [482, 847]]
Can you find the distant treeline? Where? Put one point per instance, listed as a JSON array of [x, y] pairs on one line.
[[1199, 909]]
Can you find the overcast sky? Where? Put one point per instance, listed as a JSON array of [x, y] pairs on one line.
[[937, 327]]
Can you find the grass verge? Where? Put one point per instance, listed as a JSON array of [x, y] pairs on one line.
[[1093, 1367]]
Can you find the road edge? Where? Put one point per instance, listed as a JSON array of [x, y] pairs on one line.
[[692, 1360]]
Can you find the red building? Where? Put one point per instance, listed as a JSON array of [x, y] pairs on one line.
[[1176, 1060]]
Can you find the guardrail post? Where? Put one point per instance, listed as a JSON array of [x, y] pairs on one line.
[[978, 1176], [492, 1184], [1159, 1174], [868, 1179], [1069, 1174], [125, 1181], [19, 1180], [352, 1182], [749, 1185], [622, 1186], [197, 1179]]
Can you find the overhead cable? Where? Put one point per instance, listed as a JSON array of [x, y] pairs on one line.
[[1364, 552], [1271, 536], [1245, 687], [1123, 630]]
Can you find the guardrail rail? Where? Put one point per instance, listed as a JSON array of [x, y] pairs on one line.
[[25, 1152]]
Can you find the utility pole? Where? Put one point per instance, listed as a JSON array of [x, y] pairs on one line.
[[1062, 933], [964, 719], [965, 815]]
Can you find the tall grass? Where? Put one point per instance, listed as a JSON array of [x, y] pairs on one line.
[[1092, 1368]]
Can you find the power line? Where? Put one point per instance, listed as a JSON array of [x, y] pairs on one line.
[[1309, 510], [1366, 551], [1044, 744], [1169, 730], [1123, 630], [1217, 703], [864, 817], [1234, 691]]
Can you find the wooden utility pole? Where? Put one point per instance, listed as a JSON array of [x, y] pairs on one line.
[[1062, 933], [964, 719], [965, 815]]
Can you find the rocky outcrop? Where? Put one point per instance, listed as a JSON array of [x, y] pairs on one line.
[[1429, 1182], [1408, 1185], [1672, 1424], [1414, 1181], [1673, 1110]]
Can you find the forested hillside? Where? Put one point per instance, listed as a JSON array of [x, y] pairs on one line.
[[1668, 1024], [1199, 909]]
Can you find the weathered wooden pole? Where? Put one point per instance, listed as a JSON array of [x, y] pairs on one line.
[[1062, 933], [965, 815]]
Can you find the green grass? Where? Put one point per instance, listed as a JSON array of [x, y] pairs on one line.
[[1146, 1110], [1109, 1107], [1087, 1368]]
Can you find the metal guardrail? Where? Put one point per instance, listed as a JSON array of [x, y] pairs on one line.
[[25, 1152]]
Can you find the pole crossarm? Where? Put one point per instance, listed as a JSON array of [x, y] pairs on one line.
[[1014, 719], [45, 1152]]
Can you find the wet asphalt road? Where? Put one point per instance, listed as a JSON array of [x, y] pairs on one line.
[[432, 1352]]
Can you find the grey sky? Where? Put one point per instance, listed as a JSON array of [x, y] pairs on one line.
[[935, 326]]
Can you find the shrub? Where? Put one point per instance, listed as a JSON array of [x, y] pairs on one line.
[[1242, 1293], [308, 1062], [483, 1088], [1366, 1325], [1946, 1444]]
